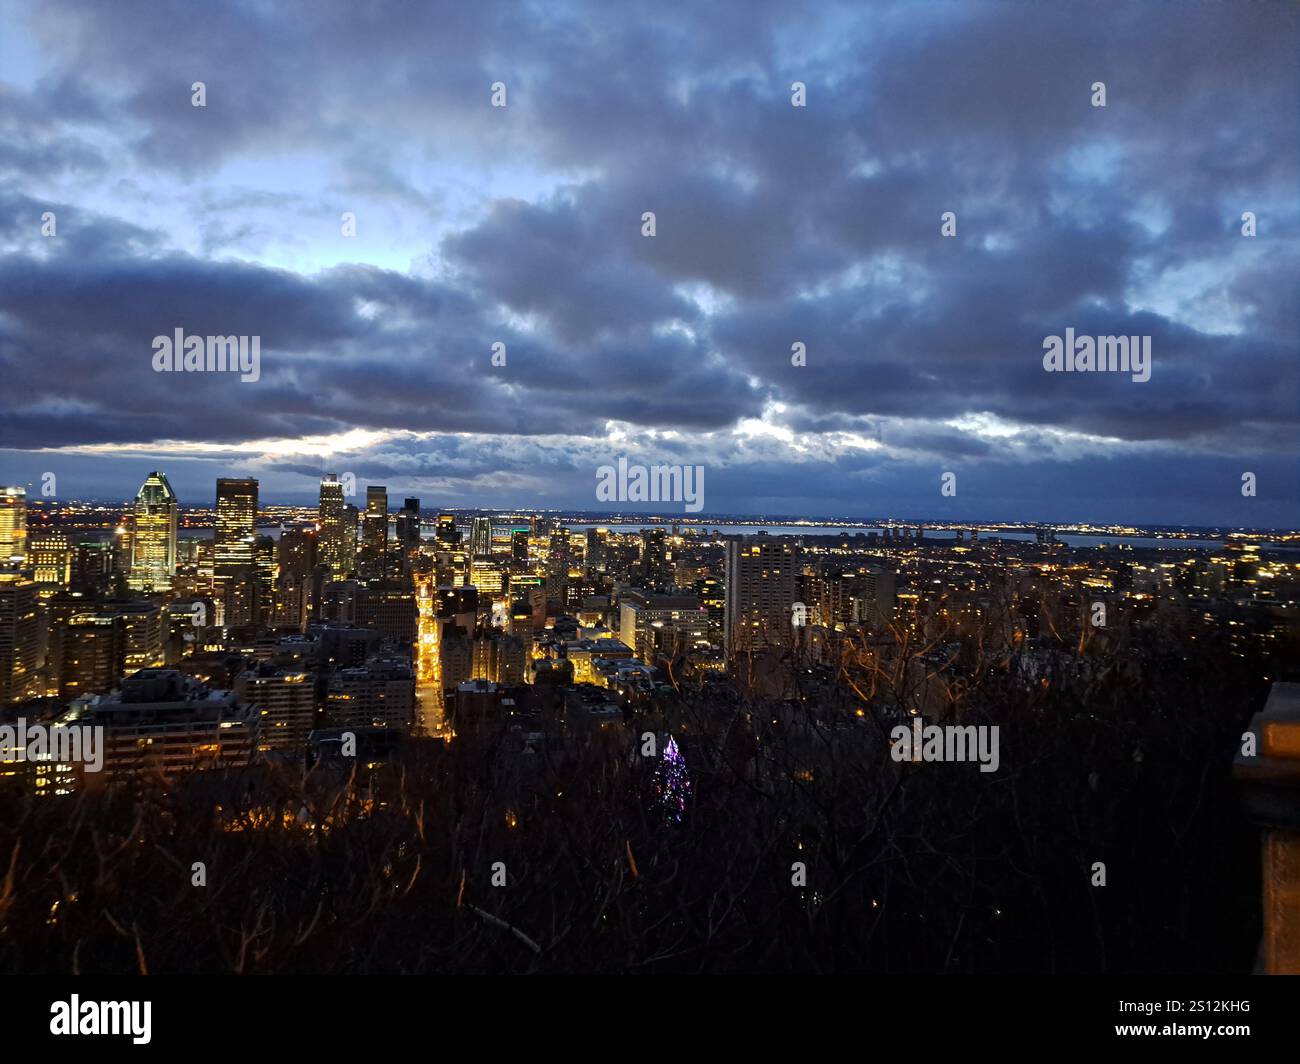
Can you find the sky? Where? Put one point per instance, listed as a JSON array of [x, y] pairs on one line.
[[774, 225]]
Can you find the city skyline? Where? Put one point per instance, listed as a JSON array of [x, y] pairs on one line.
[[780, 219]]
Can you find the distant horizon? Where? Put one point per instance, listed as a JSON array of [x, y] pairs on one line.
[[578, 515]]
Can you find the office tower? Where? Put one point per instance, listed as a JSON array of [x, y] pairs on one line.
[[713, 597], [239, 591], [379, 694], [450, 567], [458, 605], [334, 537], [519, 547], [408, 525], [153, 537], [232, 542], [351, 526], [520, 622], [107, 639], [19, 638], [297, 551], [650, 623], [13, 526], [826, 594], [294, 598], [390, 609], [144, 626], [88, 654], [597, 549], [285, 700], [489, 577], [446, 533], [266, 565], [340, 602], [92, 568], [762, 582], [50, 557], [497, 656], [557, 553], [480, 537], [873, 602], [455, 656], [374, 533], [654, 560]]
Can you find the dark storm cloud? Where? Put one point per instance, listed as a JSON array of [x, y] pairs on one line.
[[775, 224], [353, 347]]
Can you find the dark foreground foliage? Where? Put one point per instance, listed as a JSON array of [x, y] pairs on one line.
[[910, 868]]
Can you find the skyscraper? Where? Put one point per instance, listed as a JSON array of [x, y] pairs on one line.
[[480, 537], [50, 556], [375, 530], [13, 525], [447, 533], [557, 552], [519, 547], [408, 525], [153, 537], [374, 533], [232, 542], [762, 586], [654, 560], [18, 638], [597, 549], [334, 538]]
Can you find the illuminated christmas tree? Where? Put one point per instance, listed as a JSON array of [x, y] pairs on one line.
[[672, 785]]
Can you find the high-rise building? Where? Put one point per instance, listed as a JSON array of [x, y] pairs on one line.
[[13, 526], [714, 599], [762, 587], [391, 609], [597, 549], [379, 694], [19, 638], [88, 653], [92, 568], [872, 602], [557, 553], [655, 572], [408, 525], [450, 567], [447, 533], [519, 547], [153, 536], [295, 586], [643, 617], [374, 533], [232, 541], [50, 557], [334, 536], [244, 563], [167, 722], [490, 577], [480, 537], [498, 656], [285, 700], [297, 551]]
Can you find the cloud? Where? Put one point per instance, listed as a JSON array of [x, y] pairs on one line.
[[775, 224]]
